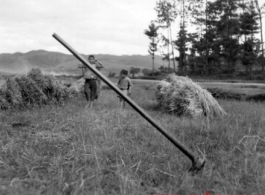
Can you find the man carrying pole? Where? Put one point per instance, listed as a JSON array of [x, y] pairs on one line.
[[92, 84]]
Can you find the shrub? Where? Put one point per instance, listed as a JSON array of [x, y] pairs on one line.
[[146, 72], [257, 97], [221, 94], [111, 74]]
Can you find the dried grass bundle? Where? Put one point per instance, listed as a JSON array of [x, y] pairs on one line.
[[51, 87], [35, 88], [12, 93], [76, 88], [36, 75], [183, 97], [30, 91], [3, 102], [54, 90]]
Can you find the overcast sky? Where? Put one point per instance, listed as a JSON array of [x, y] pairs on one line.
[[89, 26]]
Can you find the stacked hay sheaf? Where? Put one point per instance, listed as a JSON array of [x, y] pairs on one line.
[[33, 89], [183, 97]]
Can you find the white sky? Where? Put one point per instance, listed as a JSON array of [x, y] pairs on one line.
[[89, 26]]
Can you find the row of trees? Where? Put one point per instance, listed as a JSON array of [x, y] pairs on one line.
[[228, 33], [133, 71]]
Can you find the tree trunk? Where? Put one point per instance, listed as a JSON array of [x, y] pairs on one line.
[[206, 66], [184, 37], [261, 39], [153, 59], [168, 51], [250, 71], [174, 65], [262, 48]]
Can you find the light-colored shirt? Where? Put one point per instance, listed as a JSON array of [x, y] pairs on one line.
[[90, 75], [125, 83]]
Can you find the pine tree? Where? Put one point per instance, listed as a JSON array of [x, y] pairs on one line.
[[153, 36], [166, 14], [261, 35], [249, 27]]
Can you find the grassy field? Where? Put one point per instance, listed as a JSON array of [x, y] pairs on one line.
[[68, 150]]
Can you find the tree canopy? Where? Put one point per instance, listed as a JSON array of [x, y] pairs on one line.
[[226, 36]]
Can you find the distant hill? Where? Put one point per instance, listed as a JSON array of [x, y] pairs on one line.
[[66, 63]]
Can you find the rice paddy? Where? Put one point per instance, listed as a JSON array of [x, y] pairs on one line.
[[64, 149]]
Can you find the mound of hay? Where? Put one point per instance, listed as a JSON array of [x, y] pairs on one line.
[[77, 86], [12, 93], [31, 93], [183, 97], [51, 87], [3, 102], [34, 88]]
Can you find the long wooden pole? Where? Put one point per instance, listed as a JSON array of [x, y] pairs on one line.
[[197, 163]]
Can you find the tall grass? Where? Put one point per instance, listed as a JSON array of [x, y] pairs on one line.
[[69, 150]]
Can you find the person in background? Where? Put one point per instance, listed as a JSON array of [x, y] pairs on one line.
[[92, 84], [125, 85]]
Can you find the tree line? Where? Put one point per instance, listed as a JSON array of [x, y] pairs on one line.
[[225, 35]]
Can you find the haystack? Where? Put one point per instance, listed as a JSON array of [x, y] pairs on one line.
[[3, 102], [30, 91], [183, 97], [50, 86], [12, 93], [34, 88], [77, 86]]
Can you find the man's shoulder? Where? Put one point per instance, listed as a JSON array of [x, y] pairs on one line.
[[127, 78]]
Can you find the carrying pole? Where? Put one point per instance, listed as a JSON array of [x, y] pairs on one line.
[[197, 163]]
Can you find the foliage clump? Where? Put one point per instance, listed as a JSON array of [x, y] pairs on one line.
[[183, 97], [34, 88]]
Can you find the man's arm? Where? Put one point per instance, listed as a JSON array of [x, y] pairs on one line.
[[99, 65], [129, 86]]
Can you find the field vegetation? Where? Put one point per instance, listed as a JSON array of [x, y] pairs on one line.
[[64, 149]]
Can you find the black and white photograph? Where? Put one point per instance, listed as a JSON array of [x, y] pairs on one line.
[[132, 97]]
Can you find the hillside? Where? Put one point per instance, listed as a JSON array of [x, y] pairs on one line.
[[66, 63]]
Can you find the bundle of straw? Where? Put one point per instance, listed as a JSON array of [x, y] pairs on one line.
[[30, 91], [34, 88], [183, 97], [12, 93], [3, 102], [50, 86]]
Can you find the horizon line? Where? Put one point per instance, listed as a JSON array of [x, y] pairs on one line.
[[80, 53]]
